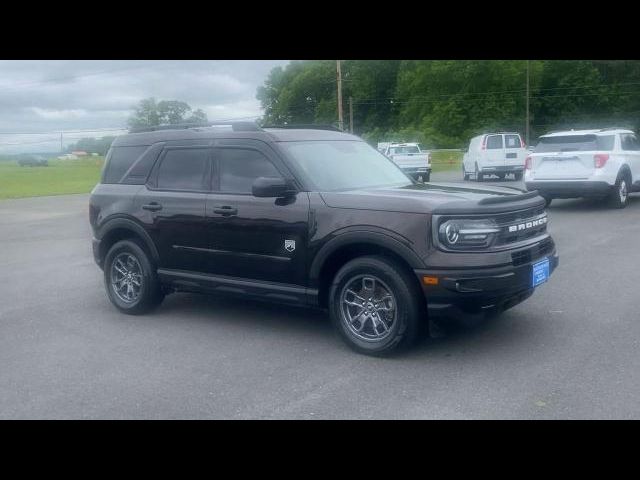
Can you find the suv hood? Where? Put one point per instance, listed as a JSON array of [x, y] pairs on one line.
[[434, 198]]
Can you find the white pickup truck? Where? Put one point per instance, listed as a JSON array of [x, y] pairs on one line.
[[410, 158]]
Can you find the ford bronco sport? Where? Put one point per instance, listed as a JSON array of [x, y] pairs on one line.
[[310, 217]]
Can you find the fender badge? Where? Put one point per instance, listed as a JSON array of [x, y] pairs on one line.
[[289, 245]]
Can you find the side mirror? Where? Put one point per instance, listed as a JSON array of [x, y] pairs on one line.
[[272, 187]]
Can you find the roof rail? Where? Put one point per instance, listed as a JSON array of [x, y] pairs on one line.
[[309, 126], [615, 128], [237, 126]]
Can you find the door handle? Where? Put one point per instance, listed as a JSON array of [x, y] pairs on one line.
[[226, 210], [152, 207]]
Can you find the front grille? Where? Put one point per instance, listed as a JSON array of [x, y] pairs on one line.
[[532, 253], [520, 219]]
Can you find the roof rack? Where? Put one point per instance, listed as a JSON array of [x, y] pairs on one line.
[[309, 126], [236, 126], [615, 128]]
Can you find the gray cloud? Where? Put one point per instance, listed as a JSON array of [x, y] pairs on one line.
[[49, 96]]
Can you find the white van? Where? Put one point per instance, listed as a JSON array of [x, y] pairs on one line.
[[500, 154]]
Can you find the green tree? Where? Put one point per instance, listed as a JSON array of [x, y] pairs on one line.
[[148, 112]]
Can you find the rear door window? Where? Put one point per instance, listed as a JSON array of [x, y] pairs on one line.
[[494, 142], [184, 169], [512, 141], [575, 143]]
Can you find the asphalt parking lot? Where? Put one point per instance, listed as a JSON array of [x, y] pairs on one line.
[[570, 351]]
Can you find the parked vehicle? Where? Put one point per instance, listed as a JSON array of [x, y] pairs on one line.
[[410, 158], [586, 163], [499, 154], [33, 162], [315, 218]]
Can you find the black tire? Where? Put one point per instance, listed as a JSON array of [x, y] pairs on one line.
[[518, 176], [427, 177], [150, 293], [465, 175], [409, 306], [479, 176], [619, 196], [547, 200]]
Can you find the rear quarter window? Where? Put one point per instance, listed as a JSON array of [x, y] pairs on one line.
[[119, 160]]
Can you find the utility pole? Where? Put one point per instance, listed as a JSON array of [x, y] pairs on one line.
[[350, 114], [340, 120], [527, 126], [61, 145]]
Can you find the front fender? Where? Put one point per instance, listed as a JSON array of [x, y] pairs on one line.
[[379, 238]]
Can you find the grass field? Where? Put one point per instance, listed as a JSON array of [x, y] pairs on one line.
[[443, 161], [59, 178]]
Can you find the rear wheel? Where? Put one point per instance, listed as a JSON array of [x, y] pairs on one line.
[[130, 279], [465, 175], [518, 176], [375, 306], [479, 176], [619, 196], [426, 177]]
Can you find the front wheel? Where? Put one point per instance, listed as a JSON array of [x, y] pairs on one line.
[[130, 279], [375, 306]]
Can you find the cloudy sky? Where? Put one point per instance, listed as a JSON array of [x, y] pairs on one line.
[[38, 99]]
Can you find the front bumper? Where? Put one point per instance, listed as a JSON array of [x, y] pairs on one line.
[[569, 189], [479, 291]]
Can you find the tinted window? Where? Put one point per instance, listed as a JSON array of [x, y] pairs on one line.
[[629, 142], [119, 161], [575, 143], [184, 169], [512, 141], [494, 141], [238, 169]]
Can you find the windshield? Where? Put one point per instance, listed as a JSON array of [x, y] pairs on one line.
[[343, 165], [404, 150], [575, 143]]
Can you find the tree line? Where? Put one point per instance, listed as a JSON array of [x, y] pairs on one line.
[[443, 103]]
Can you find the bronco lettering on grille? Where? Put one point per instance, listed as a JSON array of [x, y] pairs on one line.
[[525, 226]]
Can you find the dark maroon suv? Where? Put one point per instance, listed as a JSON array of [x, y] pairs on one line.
[[310, 217]]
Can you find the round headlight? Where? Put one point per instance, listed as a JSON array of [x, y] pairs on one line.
[[452, 232]]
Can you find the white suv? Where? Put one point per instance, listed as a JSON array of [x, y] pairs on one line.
[[585, 163], [498, 154]]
